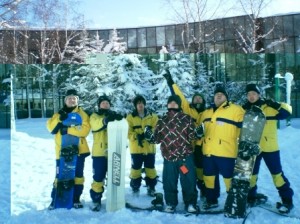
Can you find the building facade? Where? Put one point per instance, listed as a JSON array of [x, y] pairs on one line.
[[225, 44]]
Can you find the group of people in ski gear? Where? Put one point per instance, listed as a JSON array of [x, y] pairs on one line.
[[197, 144]]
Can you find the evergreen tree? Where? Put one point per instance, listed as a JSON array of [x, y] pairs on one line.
[[182, 72], [128, 76]]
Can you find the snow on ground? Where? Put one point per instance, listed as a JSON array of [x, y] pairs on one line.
[[27, 181]]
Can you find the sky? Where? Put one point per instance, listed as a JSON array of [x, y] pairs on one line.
[[138, 13], [26, 183]]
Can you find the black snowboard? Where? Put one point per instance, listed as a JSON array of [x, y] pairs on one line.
[[236, 201]]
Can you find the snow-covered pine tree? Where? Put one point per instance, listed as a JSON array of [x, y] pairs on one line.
[[115, 44], [182, 72], [90, 83], [128, 76]]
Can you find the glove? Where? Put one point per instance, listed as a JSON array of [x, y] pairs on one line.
[[149, 134], [271, 103], [64, 130], [63, 115], [199, 131], [140, 138], [118, 117], [111, 116], [168, 77], [247, 149]]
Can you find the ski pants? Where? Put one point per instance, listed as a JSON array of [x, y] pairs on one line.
[[212, 167], [171, 173], [99, 174], [272, 161], [79, 178], [137, 161]]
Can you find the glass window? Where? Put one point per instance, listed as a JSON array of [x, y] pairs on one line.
[[151, 37], [289, 46], [132, 38], [151, 50], [123, 34], [278, 30], [209, 31], [278, 48], [297, 43], [219, 34], [297, 24], [268, 47], [103, 34], [267, 27], [228, 26], [178, 35], [219, 46], [160, 36], [288, 25], [170, 35], [141, 37], [199, 31], [230, 46]]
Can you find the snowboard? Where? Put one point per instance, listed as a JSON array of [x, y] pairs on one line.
[[251, 131], [117, 142], [67, 164], [157, 204], [269, 207]]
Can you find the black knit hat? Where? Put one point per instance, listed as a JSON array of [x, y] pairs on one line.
[[221, 89], [102, 98], [71, 92], [137, 99], [199, 94], [252, 87], [176, 99]]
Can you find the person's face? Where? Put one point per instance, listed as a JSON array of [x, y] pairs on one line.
[[71, 101], [219, 98], [252, 96], [173, 105], [197, 99], [104, 104], [140, 106]]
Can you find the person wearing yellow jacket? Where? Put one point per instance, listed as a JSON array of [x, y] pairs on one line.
[[194, 109], [98, 122], [270, 153], [55, 127], [142, 152], [222, 123]]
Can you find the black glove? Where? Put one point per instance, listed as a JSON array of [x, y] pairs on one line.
[[247, 149], [140, 138], [149, 134], [199, 131], [64, 130], [118, 117], [63, 115], [168, 77], [271, 103]]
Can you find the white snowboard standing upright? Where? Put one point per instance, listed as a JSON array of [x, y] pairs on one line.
[[117, 142]]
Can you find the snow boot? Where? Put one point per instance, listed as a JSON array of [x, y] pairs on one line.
[[210, 204], [158, 202], [170, 209], [191, 208], [151, 191], [51, 206], [96, 206], [77, 203], [258, 199], [285, 206]]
